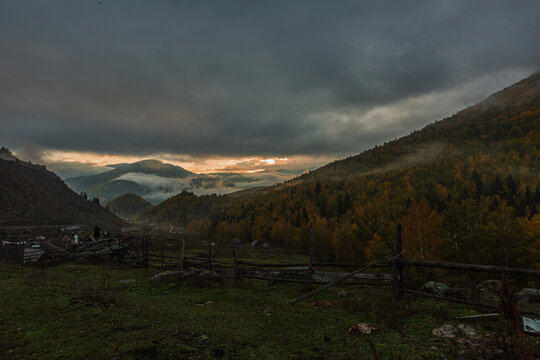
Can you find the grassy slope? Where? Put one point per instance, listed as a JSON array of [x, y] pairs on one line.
[[80, 311]]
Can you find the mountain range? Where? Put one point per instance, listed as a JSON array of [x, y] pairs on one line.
[[156, 181]]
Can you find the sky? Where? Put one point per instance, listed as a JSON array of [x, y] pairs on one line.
[[245, 85]]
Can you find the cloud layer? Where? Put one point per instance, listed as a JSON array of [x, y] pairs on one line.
[[247, 78]]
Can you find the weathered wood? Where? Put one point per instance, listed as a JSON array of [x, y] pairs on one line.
[[242, 262], [367, 276], [397, 269], [210, 255], [235, 265], [344, 265], [478, 317], [317, 282], [310, 254], [469, 267], [183, 256], [335, 282], [351, 265]]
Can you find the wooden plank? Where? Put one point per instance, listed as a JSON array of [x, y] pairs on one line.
[[397, 251], [479, 316], [183, 256], [236, 271], [367, 276], [310, 267], [273, 278], [344, 265], [470, 267]]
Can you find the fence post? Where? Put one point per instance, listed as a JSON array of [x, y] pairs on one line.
[[310, 256], [397, 268], [182, 259], [235, 264], [210, 255], [145, 251], [161, 253]]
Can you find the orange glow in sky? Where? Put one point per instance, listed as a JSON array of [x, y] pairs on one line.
[[196, 165]]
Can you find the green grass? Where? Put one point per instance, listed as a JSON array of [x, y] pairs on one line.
[[82, 312]]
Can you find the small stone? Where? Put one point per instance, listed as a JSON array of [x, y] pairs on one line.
[[447, 331], [165, 275], [362, 329], [127, 281], [343, 293]]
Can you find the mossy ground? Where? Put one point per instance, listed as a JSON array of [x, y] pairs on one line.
[[75, 311]]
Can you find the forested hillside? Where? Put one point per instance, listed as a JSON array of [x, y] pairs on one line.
[[32, 195], [464, 189], [128, 206]]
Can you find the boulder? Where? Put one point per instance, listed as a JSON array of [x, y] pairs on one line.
[[202, 274], [166, 275], [466, 330], [127, 281], [490, 287], [449, 331], [435, 288], [529, 295]]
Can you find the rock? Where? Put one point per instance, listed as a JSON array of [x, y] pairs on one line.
[[456, 293], [342, 293], [529, 295], [166, 275], [466, 330], [362, 329], [128, 281], [435, 288], [322, 279], [204, 303], [202, 274], [490, 287], [447, 331]]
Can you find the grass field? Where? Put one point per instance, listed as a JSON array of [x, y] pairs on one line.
[[75, 311]]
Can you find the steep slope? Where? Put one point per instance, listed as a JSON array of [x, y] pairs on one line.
[[464, 188], [128, 206], [511, 114], [30, 194]]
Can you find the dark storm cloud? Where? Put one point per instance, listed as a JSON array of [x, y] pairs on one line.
[[250, 77]]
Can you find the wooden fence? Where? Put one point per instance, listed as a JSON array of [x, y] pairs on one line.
[[321, 273]]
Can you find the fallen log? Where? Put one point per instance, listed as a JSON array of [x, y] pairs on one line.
[[337, 281]]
